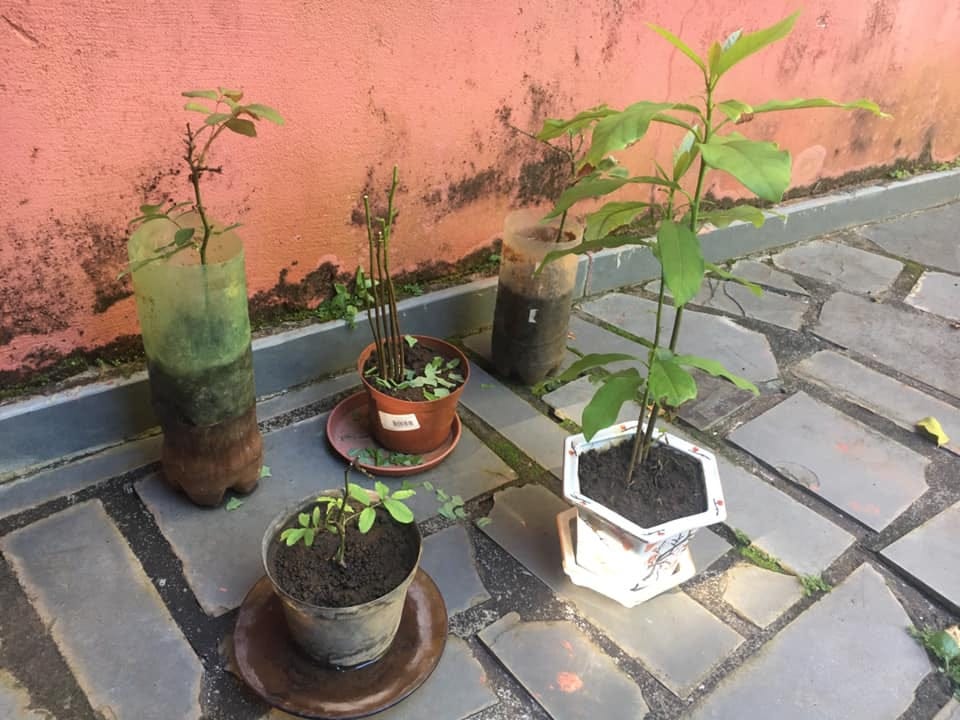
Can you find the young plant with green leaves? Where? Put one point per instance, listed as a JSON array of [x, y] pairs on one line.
[[678, 211], [336, 513], [225, 114]]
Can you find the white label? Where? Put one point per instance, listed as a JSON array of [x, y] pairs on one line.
[[399, 423], [532, 317]]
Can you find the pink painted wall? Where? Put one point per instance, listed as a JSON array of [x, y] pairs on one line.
[[91, 120]]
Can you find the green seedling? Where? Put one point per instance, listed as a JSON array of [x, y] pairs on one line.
[[673, 206], [225, 114], [335, 513], [379, 457], [813, 584], [945, 646]]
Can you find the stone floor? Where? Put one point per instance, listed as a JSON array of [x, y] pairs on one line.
[[118, 598]]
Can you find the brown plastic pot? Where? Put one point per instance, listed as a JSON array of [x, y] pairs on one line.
[[341, 637], [413, 427]]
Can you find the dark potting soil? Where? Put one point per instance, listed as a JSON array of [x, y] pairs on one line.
[[529, 334], [376, 563], [669, 485], [205, 397], [415, 358]]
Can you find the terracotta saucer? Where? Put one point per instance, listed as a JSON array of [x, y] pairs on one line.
[[287, 678], [348, 429]]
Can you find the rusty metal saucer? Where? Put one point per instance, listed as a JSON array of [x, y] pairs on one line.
[[286, 678]]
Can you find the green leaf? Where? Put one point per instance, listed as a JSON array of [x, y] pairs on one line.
[[235, 95], [316, 516], [611, 216], [747, 44], [304, 519], [150, 209], [483, 522], [398, 511], [720, 272], [678, 44], [215, 118], [604, 407], [264, 111], [410, 340], [359, 494], [738, 213], [208, 94], [403, 494], [242, 127], [685, 154], [308, 535], [265, 472], [554, 128], [292, 535], [381, 489], [761, 166], [802, 103], [593, 186], [682, 261], [366, 519], [234, 503], [609, 241], [942, 644], [621, 130], [933, 428], [591, 361], [734, 109], [183, 236], [197, 107], [668, 381], [717, 370]]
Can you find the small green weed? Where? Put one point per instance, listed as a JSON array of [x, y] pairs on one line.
[[813, 584], [381, 458], [945, 646], [753, 554], [413, 288]]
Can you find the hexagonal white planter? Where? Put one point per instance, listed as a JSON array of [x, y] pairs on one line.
[[622, 559]]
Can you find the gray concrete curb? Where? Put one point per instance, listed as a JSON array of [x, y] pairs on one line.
[[38, 430]]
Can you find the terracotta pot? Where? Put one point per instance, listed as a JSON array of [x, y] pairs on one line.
[[413, 427], [341, 637]]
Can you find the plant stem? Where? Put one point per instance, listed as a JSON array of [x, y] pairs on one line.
[[373, 313], [341, 520], [395, 338]]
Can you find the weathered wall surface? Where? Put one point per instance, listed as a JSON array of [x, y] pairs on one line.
[[92, 117]]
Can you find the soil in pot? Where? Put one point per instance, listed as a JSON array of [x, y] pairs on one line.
[[669, 485], [416, 359], [377, 562]]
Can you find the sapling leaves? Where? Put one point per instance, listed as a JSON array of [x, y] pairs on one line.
[[722, 273], [761, 167], [679, 45], [611, 216], [265, 112], [603, 409], [668, 381], [208, 94], [737, 213], [197, 107], [366, 519], [183, 236], [398, 511], [679, 252], [359, 494], [715, 368], [587, 246], [593, 360], [594, 186], [802, 103], [554, 128], [619, 131], [242, 127], [746, 44]]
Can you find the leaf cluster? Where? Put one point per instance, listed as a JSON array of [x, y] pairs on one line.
[[677, 210], [379, 457], [945, 646], [438, 379]]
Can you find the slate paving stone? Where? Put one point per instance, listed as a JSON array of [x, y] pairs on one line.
[[114, 631], [766, 275], [879, 393], [938, 293], [15, 701], [568, 401], [848, 657], [569, 676], [798, 537], [515, 419], [931, 554], [950, 711], [929, 237], [735, 299], [33, 490], [759, 595], [920, 346], [853, 467], [676, 638], [742, 351], [306, 395], [457, 689], [847, 267], [448, 559], [220, 550], [587, 338]]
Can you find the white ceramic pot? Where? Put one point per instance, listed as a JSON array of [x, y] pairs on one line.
[[612, 547]]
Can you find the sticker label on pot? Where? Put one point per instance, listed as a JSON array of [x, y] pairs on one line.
[[398, 423]]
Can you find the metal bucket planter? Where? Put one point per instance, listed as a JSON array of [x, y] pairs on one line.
[[341, 637], [618, 557]]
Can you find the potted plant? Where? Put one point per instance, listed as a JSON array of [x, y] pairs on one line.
[[532, 310], [639, 492], [341, 564], [413, 382], [190, 286]]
